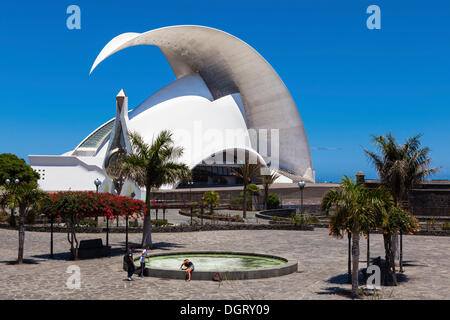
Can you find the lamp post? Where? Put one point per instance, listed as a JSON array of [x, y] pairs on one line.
[[301, 185], [132, 195], [52, 219], [190, 183], [97, 184]]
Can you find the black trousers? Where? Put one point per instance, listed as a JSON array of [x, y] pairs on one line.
[[131, 268]]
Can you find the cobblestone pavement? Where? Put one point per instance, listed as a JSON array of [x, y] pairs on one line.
[[321, 274]]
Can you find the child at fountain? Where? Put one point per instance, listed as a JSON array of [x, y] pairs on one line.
[[189, 268], [142, 260]]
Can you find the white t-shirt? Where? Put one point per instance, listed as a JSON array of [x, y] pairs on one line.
[[143, 255]]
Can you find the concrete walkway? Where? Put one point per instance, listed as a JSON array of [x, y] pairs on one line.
[[322, 267]]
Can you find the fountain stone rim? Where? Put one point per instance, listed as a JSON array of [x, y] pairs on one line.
[[289, 267]]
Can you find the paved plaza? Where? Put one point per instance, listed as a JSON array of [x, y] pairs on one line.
[[322, 262]]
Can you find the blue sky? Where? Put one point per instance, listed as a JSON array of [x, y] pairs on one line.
[[348, 82]]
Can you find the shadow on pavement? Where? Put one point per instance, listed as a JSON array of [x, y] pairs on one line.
[[336, 291], [14, 262], [114, 252]]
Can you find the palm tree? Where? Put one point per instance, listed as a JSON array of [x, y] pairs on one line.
[[267, 180], [27, 196], [247, 171], [391, 219], [151, 166], [354, 211], [400, 168], [211, 198]]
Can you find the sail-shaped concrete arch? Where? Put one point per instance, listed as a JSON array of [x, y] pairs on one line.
[[228, 65]]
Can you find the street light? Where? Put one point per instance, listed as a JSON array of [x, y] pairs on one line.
[[16, 181], [190, 183], [301, 185], [97, 183]]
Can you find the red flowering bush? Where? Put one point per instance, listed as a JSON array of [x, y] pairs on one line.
[[90, 204]]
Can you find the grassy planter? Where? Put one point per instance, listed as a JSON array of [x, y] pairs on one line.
[[211, 217]]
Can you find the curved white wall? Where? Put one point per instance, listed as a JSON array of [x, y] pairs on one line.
[[202, 127], [228, 65]]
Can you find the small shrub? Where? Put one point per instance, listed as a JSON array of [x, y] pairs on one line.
[[273, 201], [160, 223], [252, 189], [303, 219], [86, 223], [211, 199], [237, 202], [446, 226], [313, 219]]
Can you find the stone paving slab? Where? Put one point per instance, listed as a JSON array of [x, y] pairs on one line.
[[322, 268]]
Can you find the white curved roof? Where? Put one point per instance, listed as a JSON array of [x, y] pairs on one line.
[[228, 65]]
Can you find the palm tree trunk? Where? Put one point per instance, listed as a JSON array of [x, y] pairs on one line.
[[244, 208], [266, 196], [21, 239], [147, 232], [349, 253], [390, 262], [71, 237], [355, 258]]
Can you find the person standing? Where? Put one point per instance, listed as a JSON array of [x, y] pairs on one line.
[[144, 255], [130, 263]]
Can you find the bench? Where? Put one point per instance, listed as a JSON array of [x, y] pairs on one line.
[[93, 248]]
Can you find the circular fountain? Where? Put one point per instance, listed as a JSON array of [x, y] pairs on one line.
[[230, 265]]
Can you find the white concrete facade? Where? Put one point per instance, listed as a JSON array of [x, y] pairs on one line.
[[222, 85]]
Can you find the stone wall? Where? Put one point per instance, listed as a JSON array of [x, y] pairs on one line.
[[430, 198]]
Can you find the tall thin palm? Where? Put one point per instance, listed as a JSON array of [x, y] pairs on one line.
[[151, 166], [267, 180], [400, 168], [354, 211], [247, 171]]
